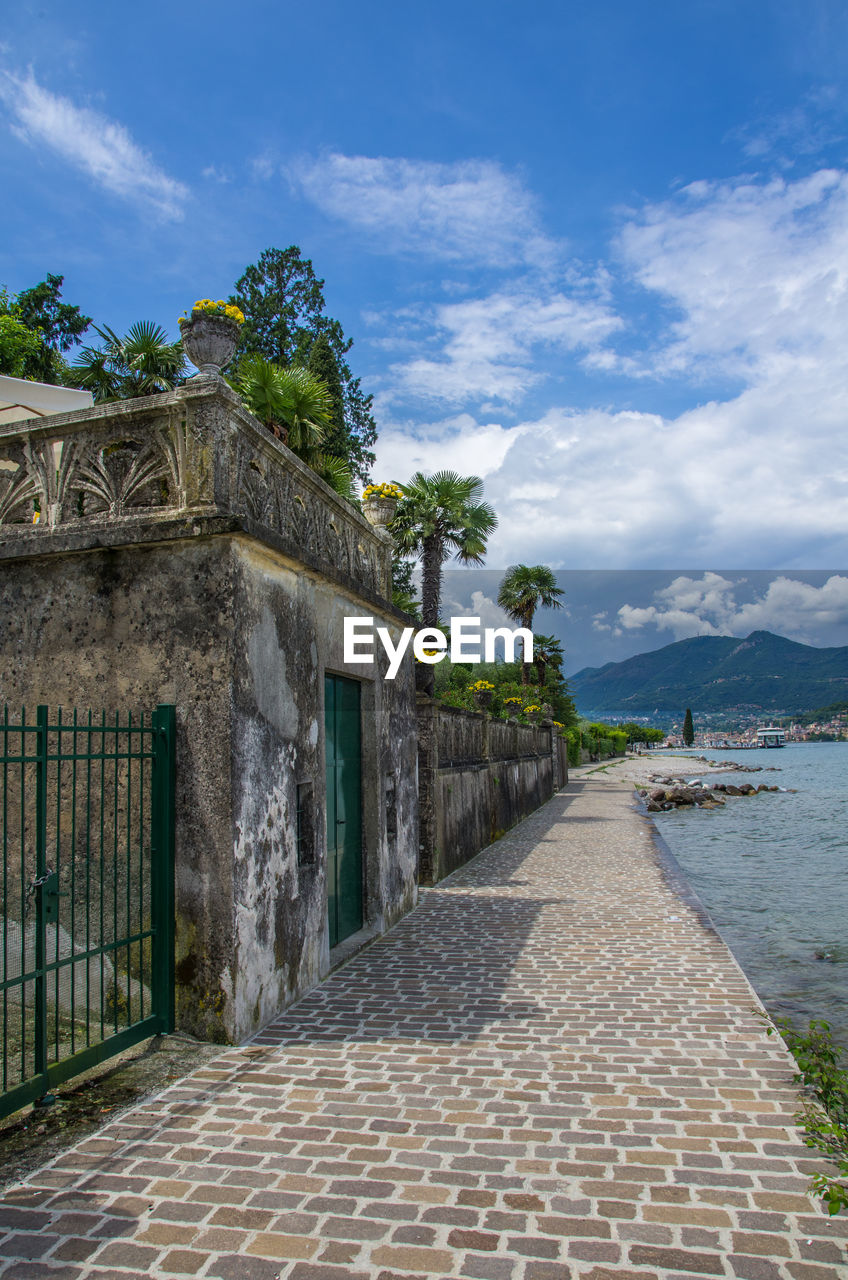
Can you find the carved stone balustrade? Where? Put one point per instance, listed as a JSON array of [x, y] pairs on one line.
[[187, 463]]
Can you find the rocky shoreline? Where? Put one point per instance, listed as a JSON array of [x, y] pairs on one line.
[[661, 792], [676, 793]]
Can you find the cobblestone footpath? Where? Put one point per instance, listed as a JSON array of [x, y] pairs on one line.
[[551, 1069]]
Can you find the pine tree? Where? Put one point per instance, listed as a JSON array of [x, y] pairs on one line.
[[323, 364], [688, 728], [285, 318]]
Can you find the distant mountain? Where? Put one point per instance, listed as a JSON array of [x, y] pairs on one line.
[[763, 673]]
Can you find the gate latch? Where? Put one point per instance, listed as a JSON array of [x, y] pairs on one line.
[[48, 885], [52, 894]]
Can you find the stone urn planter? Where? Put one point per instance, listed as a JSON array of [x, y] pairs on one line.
[[210, 342], [483, 698], [380, 504], [534, 714], [380, 511]]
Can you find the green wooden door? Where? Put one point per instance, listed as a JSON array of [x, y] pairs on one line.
[[344, 807]]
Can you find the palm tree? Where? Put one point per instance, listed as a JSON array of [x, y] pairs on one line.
[[547, 652], [286, 398], [143, 363], [440, 516], [298, 407], [524, 588]]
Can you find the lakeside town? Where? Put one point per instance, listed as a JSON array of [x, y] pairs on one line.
[[834, 729]]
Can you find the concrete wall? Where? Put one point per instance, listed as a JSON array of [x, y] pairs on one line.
[[184, 555], [477, 778]]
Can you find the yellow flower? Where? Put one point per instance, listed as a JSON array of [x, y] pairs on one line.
[[384, 490], [208, 306]]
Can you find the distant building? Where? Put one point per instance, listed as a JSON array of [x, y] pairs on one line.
[[771, 736]]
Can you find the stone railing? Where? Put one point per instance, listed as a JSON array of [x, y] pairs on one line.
[[477, 777], [467, 737], [186, 462]]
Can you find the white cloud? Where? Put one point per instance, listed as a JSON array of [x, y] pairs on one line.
[[90, 142], [757, 272], [742, 483], [214, 174], [488, 345], [263, 166], [472, 211], [482, 606], [454, 444], [804, 130], [708, 606]]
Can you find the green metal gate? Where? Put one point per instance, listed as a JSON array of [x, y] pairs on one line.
[[87, 842], [344, 806]]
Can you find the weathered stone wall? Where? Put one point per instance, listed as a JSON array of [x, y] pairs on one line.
[[477, 777], [184, 555], [289, 632]]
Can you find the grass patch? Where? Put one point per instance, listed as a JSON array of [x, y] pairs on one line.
[[823, 1118]]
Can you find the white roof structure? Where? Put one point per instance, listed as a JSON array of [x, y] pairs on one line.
[[20, 399]]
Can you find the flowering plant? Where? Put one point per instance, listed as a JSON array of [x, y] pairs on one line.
[[385, 490], [532, 709], [207, 307], [482, 686], [516, 702]]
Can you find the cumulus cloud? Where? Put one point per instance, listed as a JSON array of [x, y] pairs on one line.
[[756, 273], [472, 211], [481, 605], [741, 483], [90, 142], [708, 606], [486, 345], [454, 444]]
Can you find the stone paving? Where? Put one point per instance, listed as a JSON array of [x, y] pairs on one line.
[[551, 1069]]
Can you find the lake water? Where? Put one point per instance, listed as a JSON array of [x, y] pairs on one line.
[[772, 871]]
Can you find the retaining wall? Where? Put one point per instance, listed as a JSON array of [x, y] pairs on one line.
[[477, 777]]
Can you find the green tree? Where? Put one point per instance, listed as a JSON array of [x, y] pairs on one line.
[[525, 588], [403, 587], [54, 327], [20, 347], [641, 732], [298, 407], [143, 363], [323, 364], [290, 399], [547, 652], [440, 516], [283, 304], [688, 728]]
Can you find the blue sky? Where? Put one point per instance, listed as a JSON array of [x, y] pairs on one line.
[[596, 254]]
